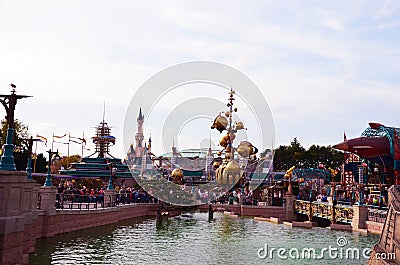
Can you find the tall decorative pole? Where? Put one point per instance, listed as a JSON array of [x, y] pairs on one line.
[[48, 182], [9, 102], [360, 183], [229, 171], [310, 215], [29, 165], [112, 173]]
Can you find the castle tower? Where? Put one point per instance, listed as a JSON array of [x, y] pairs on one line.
[[139, 137], [209, 159], [149, 145]]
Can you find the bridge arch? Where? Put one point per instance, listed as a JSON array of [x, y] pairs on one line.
[[313, 173]]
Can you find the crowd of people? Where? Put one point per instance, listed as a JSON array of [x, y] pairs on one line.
[[123, 195], [243, 196]]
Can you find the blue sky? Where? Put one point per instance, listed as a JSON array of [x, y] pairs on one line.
[[324, 67]]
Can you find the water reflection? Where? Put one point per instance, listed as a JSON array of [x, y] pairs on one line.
[[187, 239]]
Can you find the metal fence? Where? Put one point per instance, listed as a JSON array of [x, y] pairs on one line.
[[87, 202], [377, 215]]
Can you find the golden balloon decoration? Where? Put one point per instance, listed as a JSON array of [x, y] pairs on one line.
[[177, 176], [229, 172], [220, 123]]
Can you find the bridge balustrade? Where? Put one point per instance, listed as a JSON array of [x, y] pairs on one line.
[[302, 207], [377, 215], [343, 213], [322, 210]]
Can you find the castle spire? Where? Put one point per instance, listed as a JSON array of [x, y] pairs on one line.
[[140, 117], [149, 146], [139, 137]]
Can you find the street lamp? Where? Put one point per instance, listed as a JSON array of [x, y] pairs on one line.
[[9, 102], [334, 197], [353, 194], [113, 170], [48, 182], [360, 183], [29, 165]]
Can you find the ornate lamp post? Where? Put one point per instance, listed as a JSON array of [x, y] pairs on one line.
[[334, 197], [48, 182], [9, 102], [29, 165], [361, 182], [310, 215], [353, 194], [113, 170]]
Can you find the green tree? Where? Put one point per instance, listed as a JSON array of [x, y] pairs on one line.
[[66, 161], [296, 155], [20, 133], [264, 153], [20, 145], [288, 156]]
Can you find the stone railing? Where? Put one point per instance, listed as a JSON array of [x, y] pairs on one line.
[[302, 207], [344, 214], [338, 213], [377, 215], [322, 210]]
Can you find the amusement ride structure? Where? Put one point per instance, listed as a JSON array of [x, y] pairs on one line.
[[230, 171], [101, 164], [379, 146]]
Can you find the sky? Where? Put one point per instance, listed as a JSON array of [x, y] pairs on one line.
[[324, 67]]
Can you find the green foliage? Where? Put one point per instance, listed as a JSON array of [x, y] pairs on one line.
[[265, 152], [20, 145], [20, 133], [66, 161], [296, 155]]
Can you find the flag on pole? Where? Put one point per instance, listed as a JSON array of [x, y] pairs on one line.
[[83, 140], [55, 136], [345, 154], [42, 139]]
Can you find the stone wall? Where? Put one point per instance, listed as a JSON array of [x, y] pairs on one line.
[[264, 211], [374, 227], [18, 215], [72, 220]]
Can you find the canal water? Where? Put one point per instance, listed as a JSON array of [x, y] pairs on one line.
[[191, 239]]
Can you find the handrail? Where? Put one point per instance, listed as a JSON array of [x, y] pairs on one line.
[[88, 202], [376, 215]]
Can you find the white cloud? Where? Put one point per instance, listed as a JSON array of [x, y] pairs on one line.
[[388, 9]]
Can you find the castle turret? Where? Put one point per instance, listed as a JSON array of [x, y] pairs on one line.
[[139, 148], [149, 146], [209, 159]]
